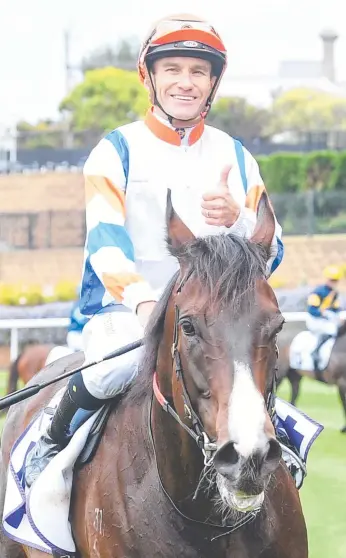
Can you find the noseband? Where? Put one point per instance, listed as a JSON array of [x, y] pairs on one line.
[[197, 432]]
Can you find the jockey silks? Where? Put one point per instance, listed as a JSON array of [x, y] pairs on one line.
[[127, 176]]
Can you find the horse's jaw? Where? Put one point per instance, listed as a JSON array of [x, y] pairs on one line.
[[237, 500]]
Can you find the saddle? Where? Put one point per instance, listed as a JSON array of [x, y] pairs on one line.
[[95, 435]]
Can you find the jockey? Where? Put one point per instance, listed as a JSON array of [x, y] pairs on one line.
[[323, 318], [215, 185]]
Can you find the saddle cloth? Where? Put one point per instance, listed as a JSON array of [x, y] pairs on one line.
[[39, 517], [301, 348]]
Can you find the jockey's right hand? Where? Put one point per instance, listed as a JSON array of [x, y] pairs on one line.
[[144, 310], [218, 206]]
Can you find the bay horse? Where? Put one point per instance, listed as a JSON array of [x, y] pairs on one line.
[[30, 361], [207, 376], [334, 374]]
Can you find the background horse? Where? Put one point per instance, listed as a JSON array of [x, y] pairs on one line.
[[30, 361], [334, 374], [207, 375]]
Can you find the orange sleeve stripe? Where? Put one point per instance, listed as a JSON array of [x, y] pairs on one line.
[[253, 197], [116, 283], [104, 186]]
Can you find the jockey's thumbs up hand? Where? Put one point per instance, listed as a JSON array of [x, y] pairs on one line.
[[218, 206], [223, 183]]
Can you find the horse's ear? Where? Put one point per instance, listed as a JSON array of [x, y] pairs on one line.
[[178, 232], [265, 225]]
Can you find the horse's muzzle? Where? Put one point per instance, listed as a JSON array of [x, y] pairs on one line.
[[247, 474]]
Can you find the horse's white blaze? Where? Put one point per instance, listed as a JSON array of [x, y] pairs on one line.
[[246, 413]]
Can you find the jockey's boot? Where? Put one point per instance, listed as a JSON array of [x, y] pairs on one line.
[[53, 441], [315, 352], [69, 415]]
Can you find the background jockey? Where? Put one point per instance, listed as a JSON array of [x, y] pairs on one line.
[[215, 186], [323, 310]]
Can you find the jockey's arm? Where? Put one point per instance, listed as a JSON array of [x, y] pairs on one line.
[[314, 305], [108, 243], [247, 217]]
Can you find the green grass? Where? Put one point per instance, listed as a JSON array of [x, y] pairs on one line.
[[323, 494], [324, 491]]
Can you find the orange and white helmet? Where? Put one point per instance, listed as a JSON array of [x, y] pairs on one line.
[[184, 35]]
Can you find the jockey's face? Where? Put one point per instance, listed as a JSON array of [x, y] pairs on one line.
[[183, 85]]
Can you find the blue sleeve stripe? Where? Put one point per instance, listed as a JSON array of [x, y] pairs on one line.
[[239, 151], [279, 255], [115, 236], [92, 291], [119, 142]]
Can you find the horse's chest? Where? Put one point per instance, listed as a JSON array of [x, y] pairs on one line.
[[156, 531]]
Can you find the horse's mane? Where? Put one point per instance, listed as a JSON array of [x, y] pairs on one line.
[[226, 267]]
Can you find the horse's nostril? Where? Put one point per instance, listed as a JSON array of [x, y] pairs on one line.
[[272, 457], [226, 457], [274, 451]]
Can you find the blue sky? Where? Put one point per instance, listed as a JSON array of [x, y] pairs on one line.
[[258, 33]]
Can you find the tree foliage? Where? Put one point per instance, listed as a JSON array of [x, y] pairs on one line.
[[308, 110], [239, 118], [123, 55], [107, 98], [45, 133]]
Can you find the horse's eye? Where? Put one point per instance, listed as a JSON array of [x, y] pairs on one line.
[[187, 327]]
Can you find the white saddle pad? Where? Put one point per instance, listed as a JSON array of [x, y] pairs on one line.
[[58, 352], [301, 348], [39, 517]]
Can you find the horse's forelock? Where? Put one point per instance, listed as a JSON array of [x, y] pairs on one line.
[[226, 267]]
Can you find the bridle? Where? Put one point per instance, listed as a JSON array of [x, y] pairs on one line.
[[197, 432]]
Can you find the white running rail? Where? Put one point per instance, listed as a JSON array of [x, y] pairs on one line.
[[14, 325]]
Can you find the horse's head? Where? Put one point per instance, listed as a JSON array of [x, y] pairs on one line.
[[227, 320]]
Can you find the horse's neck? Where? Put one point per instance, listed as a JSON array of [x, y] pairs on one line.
[[180, 464]]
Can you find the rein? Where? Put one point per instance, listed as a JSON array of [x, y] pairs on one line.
[[229, 529]]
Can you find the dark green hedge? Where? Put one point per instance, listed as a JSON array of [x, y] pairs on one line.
[[293, 172]]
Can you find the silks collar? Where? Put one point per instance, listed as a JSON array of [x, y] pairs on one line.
[[169, 135]]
